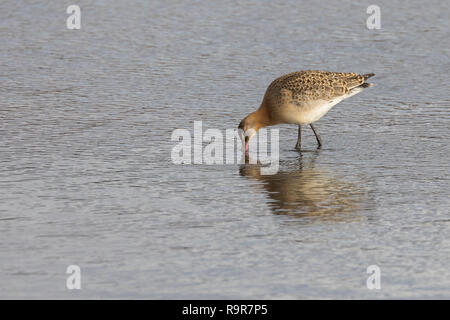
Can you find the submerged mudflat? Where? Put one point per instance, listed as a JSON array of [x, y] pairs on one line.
[[87, 179]]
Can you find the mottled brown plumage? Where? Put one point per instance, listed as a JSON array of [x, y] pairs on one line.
[[310, 85], [302, 97]]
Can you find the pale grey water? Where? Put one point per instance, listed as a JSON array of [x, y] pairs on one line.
[[86, 176]]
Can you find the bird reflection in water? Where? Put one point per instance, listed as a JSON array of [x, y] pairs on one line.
[[303, 190]]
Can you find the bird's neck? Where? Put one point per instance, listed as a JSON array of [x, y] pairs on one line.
[[261, 117]]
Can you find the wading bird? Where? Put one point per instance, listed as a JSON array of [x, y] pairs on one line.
[[301, 98]]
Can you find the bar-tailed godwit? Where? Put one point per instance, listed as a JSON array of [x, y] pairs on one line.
[[301, 98]]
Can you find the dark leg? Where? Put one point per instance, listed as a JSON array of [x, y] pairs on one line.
[[319, 140], [299, 139]]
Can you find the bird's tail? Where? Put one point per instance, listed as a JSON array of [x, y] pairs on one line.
[[367, 76]]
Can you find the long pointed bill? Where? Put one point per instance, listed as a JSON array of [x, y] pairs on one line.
[[246, 143]]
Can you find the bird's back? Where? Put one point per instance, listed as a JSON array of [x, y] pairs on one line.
[[310, 91]]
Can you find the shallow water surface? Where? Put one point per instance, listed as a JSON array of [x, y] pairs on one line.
[[86, 177]]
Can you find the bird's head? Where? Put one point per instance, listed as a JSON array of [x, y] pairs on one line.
[[247, 129]]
